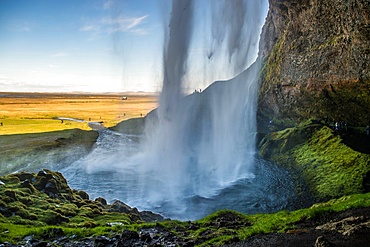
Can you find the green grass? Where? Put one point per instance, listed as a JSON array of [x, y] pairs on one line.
[[317, 154], [20, 126], [332, 169], [210, 233], [90, 218], [43, 150]]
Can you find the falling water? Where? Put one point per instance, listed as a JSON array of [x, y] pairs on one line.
[[198, 153], [204, 142]]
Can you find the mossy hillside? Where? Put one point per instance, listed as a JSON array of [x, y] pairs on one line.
[[52, 210], [50, 149], [318, 154], [46, 199], [132, 126], [222, 227]]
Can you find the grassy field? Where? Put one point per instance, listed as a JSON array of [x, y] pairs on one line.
[[37, 112]]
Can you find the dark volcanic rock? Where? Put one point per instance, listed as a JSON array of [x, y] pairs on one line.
[[316, 56]]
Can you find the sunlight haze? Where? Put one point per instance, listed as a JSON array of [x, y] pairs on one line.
[[102, 46], [93, 46]]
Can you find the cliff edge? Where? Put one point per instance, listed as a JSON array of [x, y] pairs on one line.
[[316, 62]]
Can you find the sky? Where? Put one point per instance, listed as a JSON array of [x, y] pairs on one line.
[[94, 45], [80, 45]]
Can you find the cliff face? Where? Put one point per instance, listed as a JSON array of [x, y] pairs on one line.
[[316, 61]]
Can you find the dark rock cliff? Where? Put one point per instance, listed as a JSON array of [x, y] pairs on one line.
[[316, 62]]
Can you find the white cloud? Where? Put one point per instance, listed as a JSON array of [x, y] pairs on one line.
[[118, 24], [125, 22], [137, 21], [88, 28], [140, 31], [108, 4]]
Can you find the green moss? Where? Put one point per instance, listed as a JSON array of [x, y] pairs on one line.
[[328, 166], [271, 69], [51, 217], [108, 218], [10, 179], [133, 126], [37, 214], [25, 214], [204, 232], [35, 151], [67, 209]]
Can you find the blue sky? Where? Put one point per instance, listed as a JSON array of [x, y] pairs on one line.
[[97, 45], [80, 45]]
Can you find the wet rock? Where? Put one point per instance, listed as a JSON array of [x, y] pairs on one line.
[[42, 173], [11, 194], [129, 235], [128, 238], [51, 188], [120, 207], [102, 201], [40, 244], [28, 184], [102, 241], [52, 183], [149, 216], [24, 176], [193, 226], [315, 62], [360, 229], [40, 183], [322, 242], [83, 195], [348, 226], [145, 237]]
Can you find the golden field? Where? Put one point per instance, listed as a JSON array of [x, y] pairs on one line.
[[37, 112]]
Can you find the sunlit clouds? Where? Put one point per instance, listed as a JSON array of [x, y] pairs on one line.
[[118, 24]]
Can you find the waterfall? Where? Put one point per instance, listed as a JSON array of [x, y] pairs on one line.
[[203, 142], [198, 153]]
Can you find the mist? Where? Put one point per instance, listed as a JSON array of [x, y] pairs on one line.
[[198, 145]]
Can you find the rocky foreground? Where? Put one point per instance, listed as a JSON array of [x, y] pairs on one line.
[[40, 209]]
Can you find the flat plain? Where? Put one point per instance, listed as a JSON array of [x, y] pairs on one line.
[[22, 113]]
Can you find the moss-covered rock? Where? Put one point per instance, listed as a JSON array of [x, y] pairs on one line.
[[318, 154], [46, 198]]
